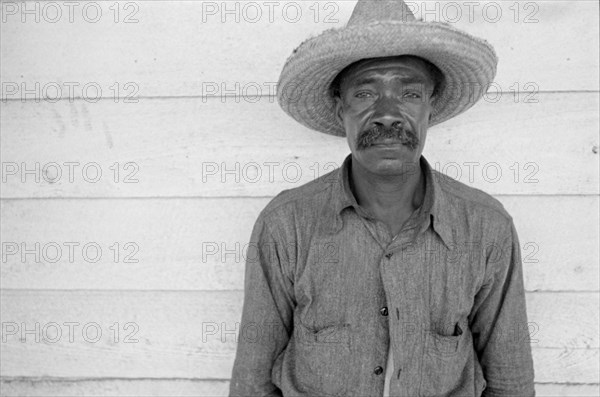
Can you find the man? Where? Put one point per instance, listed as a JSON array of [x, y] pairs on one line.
[[384, 277]]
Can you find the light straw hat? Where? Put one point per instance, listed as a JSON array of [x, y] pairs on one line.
[[383, 28]]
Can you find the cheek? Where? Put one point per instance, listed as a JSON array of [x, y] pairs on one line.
[[356, 109], [351, 132], [422, 114], [352, 118]]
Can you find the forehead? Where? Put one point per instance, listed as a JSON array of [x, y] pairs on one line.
[[405, 68]]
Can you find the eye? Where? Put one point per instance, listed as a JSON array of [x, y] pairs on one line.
[[413, 95], [363, 94]]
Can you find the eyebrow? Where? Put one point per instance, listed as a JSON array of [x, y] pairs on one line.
[[364, 81], [409, 80]]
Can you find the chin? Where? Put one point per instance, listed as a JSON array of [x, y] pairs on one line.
[[386, 166], [391, 165], [388, 169]]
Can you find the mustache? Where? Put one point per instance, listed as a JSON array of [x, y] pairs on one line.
[[378, 133]]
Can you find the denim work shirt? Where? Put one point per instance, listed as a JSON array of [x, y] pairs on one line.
[[328, 289]]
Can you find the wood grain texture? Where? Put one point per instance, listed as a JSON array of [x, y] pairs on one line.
[[200, 244], [203, 163], [186, 147], [194, 388], [117, 387], [193, 334], [177, 46], [559, 390]]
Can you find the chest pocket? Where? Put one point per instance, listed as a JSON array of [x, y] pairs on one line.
[[322, 359], [447, 361]]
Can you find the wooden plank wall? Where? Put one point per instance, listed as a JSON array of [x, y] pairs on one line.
[[125, 217]]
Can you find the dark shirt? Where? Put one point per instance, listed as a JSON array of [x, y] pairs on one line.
[[327, 289]]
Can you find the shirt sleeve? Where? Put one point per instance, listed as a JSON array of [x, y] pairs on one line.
[[499, 321], [267, 315]]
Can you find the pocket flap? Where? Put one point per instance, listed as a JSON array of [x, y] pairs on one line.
[[334, 334], [448, 344]]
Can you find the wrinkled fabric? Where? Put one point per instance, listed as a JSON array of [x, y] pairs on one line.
[[328, 291]]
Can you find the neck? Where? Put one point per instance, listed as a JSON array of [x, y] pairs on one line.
[[388, 193]]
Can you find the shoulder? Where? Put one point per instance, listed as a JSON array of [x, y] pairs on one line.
[[471, 204], [307, 199], [477, 217]]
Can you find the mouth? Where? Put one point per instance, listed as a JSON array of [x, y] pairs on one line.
[[388, 142]]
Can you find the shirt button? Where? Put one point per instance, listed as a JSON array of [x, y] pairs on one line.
[[388, 255], [378, 370], [383, 311]]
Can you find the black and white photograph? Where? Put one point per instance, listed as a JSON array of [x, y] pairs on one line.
[[303, 198]]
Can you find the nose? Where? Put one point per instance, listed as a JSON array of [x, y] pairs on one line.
[[387, 112]]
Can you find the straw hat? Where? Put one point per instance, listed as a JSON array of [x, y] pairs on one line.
[[383, 28]]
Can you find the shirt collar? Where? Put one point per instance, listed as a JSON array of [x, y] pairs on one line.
[[434, 210]]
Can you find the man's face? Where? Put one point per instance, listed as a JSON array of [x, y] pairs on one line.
[[384, 107]]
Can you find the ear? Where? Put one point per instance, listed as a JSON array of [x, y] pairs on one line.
[[339, 110]]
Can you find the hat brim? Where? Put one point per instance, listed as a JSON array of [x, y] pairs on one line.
[[467, 62]]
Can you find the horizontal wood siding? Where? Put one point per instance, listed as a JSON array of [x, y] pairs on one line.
[[191, 145]]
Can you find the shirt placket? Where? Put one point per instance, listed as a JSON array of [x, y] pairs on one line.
[[389, 263]]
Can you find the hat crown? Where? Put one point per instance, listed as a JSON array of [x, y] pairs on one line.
[[368, 11]]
